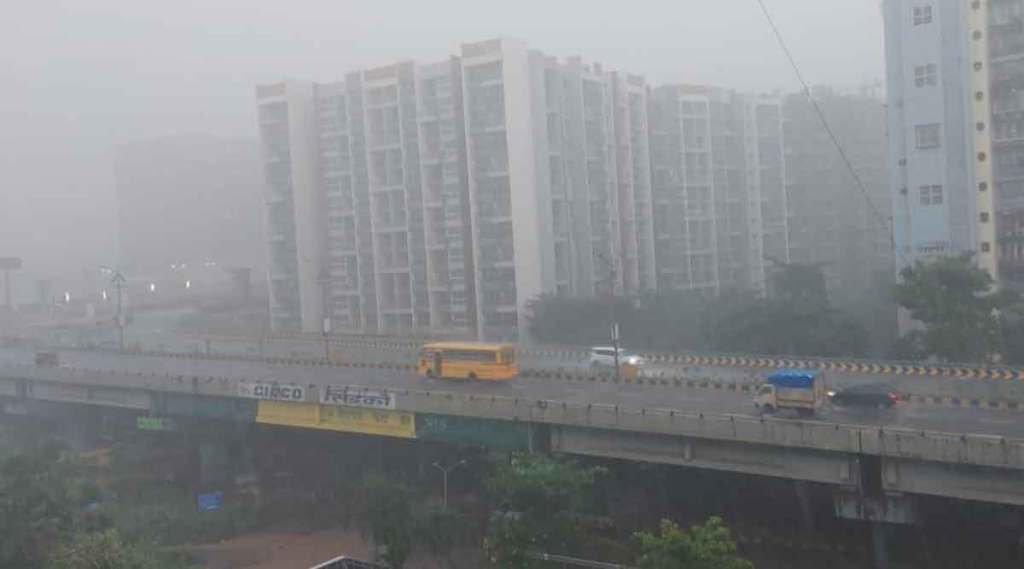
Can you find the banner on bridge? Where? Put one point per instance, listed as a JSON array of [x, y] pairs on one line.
[[338, 418], [369, 421], [271, 391], [357, 396], [489, 433]]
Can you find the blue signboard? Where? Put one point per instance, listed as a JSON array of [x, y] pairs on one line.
[[210, 502]]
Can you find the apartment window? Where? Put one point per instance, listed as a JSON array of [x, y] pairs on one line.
[[927, 136], [931, 195], [922, 15], [926, 75]]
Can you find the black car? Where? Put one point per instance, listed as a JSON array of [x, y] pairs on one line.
[[866, 395]]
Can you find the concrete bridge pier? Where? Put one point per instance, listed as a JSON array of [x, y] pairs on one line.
[[880, 512], [879, 545]]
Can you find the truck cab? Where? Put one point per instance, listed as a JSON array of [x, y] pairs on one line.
[[802, 391]]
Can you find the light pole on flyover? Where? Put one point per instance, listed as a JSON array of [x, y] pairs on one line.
[[444, 474], [611, 311], [118, 280], [325, 280]]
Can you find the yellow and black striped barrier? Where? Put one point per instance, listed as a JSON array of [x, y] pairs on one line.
[[880, 368], [716, 384]]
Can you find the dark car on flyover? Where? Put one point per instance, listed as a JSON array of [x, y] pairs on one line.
[[866, 396]]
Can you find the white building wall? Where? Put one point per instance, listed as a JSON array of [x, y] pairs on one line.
[[296, 296]]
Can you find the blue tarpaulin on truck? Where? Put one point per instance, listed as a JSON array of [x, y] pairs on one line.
[[793, 378]]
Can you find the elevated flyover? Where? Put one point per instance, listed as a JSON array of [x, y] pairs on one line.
[[973, 453]]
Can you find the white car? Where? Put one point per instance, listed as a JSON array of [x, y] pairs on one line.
[[604, 357]]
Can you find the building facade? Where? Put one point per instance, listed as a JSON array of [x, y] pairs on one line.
[[1004, 20], [447, 196], [294, 204], [718, 188], [443, 198], [947, 65], [833, 223]]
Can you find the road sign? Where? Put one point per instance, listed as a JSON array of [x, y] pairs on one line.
[[210, 502]]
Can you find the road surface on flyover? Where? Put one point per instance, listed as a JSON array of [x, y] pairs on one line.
[[688, 399]]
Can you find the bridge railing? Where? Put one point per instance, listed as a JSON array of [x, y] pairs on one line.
[[897, 442]]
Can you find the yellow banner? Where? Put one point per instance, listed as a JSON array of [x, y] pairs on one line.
[[338, 418], [368, 421], [288, 414]]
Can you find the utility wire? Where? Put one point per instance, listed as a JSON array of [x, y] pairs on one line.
[[832, 135]]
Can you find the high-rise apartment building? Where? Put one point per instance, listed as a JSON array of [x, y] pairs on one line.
[[1005, 43], [445, 197], [718, 192], [294, 204], [834, 223], [509, 182], [392, 158], [951, 72]]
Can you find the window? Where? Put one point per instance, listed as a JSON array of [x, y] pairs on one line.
[[922, 15], [926, 75], [927, 136], [931, 195]]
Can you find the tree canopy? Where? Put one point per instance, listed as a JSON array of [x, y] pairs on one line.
[[387, 517], [794, 318], [103, 550], [707, 546], [957, 304], [538, 500], [38, 504]]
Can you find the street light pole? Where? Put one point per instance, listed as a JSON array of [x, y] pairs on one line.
[[611, 312], [325, 279], [118, 281], [444, 475]]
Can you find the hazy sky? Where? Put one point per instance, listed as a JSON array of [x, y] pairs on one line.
[[81, 76]]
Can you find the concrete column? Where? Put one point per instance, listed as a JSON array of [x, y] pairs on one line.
[[213, 462], [879, 545], [804, 501]]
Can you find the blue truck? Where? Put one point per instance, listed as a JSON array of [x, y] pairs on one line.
[[802, 391]]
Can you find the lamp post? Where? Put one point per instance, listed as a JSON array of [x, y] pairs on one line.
[[118, 280], [611, 311], [324, 279], [444, 474]]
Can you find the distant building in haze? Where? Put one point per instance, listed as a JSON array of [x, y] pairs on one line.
[[445, 197], [719, 193], [833, 222], [188, 200]]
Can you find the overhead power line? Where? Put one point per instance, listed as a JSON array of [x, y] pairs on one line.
[[831, 134]]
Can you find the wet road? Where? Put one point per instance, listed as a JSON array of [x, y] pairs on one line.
[[687, 399]]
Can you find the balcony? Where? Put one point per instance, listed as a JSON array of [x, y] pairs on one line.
[[279, 237], [283, 275]]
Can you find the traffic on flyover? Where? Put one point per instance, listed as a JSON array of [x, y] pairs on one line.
[[696, 389]]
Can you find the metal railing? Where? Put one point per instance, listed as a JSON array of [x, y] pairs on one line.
[[347, 563]]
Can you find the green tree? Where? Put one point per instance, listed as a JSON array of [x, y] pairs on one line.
[[387, 517], [539, 500], [39, 500], [104, 550], [707, 546], [796, 318], [668, 320], [957, 303]]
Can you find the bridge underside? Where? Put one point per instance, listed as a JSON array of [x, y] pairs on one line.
[[846, 470]]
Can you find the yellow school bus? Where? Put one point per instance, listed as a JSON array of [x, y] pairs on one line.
[[468, 360]]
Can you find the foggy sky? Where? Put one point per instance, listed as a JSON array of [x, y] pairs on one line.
[[79, 77]]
